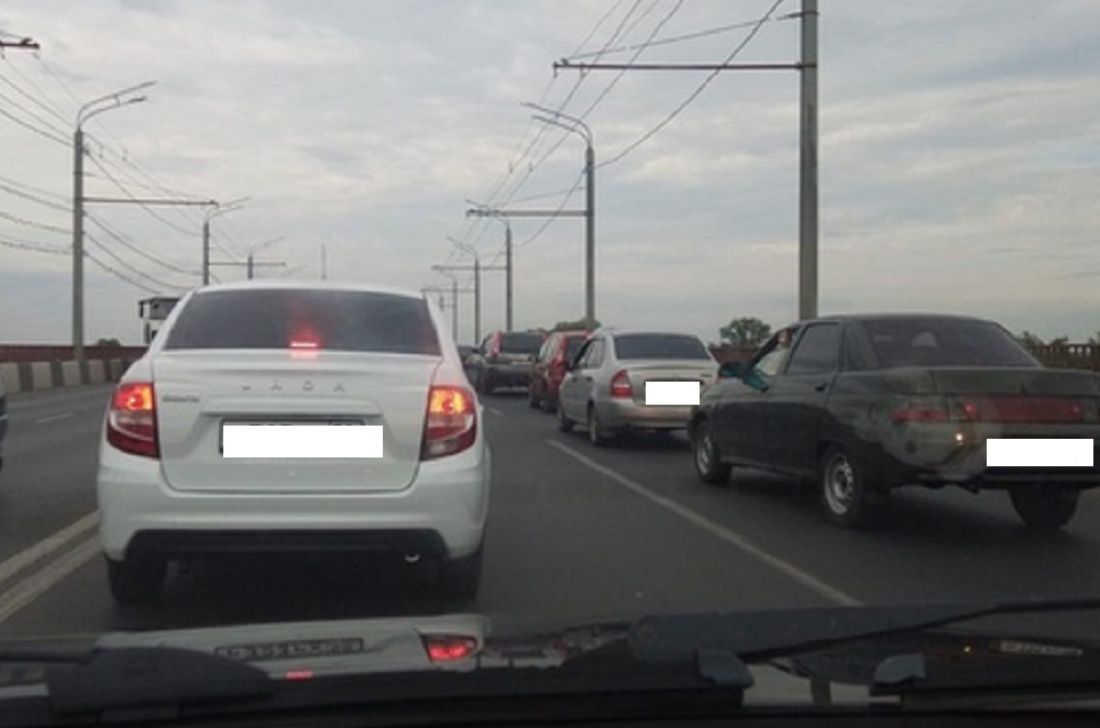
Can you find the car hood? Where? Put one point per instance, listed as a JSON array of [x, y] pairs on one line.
[[321, 648]]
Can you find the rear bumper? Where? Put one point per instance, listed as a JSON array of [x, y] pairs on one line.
[[509, 375], [626, 413], [442, 511], [938, 455]]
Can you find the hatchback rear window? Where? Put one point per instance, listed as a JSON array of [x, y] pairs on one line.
[[520, 343], [572, 345], [944, 343], [659, 346], [305, 319]]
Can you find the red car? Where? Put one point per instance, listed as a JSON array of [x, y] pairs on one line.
[[556, 353]]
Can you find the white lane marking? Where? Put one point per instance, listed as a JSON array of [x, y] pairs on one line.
[[53, 418], [14, 564], [493, 411], [26, 590], [805, 579]]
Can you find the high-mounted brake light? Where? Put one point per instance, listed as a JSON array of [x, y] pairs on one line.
[[451, 424], [132, 419], [448, 648], [620, 385]]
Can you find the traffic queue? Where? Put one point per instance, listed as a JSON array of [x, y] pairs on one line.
[[857, 405]]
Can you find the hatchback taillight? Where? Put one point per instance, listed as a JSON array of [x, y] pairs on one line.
[[132, 419], [620, 385], [451, 424]]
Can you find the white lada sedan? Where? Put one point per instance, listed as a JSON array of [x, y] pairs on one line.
[[292, 417]]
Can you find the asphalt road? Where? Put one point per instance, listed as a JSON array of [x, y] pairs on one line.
[[576, 534]]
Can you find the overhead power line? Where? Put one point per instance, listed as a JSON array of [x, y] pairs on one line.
[[31, 127], [134, 247], [33, 246], [717, 30], [34, 198], [151, 212], [120, 275], [129, 266], [34, 223], [695, 92]]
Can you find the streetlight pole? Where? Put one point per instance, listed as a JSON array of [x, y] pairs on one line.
[[577, 126], [217, 210], [471, 250], [84, 113]]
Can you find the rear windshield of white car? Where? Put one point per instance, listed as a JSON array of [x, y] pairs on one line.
[[305, 319], [659, 346], [944, 343], [520, 343]]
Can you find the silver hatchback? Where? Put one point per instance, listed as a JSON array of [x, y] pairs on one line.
[[621, 380]]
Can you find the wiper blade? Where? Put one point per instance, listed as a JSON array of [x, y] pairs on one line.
[[758, 636], [155, 677]]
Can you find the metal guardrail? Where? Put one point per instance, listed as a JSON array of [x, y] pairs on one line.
[[1068, 356]]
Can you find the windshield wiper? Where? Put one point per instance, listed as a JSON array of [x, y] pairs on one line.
[[160, 679], [760, 636]]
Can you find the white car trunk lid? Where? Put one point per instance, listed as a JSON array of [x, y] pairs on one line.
[[199, 391]]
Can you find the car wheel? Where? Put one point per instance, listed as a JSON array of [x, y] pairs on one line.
[[844, 491], [460, 578], [564, 423], [1044, 507], [135, 581], [596, 434], [708, 459]]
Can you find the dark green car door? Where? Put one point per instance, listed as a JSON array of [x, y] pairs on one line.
[[796, 398]]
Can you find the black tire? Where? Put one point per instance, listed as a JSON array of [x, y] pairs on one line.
[[844, 491], [564, 423], [460, 578], [135, 582], [596, 434], [707, 457], [1044, 507]]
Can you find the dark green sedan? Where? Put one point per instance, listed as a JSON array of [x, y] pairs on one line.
[[866, 404]]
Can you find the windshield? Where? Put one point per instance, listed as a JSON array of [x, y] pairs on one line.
[[520, 343], [280, 319], [375, 335], [944, 342], [659, 346]]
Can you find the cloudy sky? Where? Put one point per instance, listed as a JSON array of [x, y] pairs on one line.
[[959, 150]]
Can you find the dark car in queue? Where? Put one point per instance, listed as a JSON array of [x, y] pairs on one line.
[[504, 359], [865, 404], [557, 352]]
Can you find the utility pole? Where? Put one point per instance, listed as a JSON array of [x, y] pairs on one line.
[[477, 268], [502, 216], [231, 206], [808, 187], [508, 275], [123, 97], [250, 265], [454, 290], [807, 167]]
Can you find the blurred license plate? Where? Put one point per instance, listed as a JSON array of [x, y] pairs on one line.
[[672, 393], [1002, 452], [301, 440]]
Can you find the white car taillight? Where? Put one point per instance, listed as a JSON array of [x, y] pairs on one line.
[[451, 424], [132, 419]]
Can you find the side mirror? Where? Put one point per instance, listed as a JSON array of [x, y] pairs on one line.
[[730, 370]]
